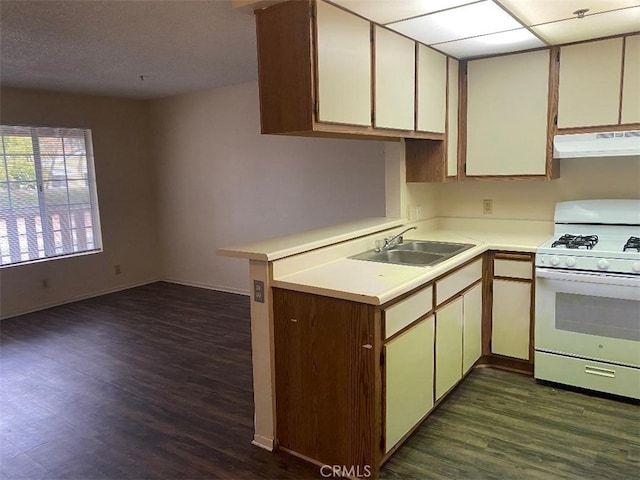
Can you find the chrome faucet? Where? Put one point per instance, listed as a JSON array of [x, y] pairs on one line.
[[391, 242]]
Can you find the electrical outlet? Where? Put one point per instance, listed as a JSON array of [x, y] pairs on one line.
[[418, 212], [258, 291], [487, 207], [117, 270]]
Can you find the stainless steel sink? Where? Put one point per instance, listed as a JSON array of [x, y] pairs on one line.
[[415, 252], [443, 248]]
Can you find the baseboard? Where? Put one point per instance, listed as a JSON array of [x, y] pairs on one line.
[[263, 442], [78, 298], [218, 288]]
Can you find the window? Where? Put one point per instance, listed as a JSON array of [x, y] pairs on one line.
[[48, 202]]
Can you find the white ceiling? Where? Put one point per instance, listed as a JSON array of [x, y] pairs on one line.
[[471, 28], [103, 46]]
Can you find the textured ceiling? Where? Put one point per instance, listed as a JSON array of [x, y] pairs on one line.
[[103, 46]]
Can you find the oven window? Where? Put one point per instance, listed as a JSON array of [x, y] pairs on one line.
[[604, 317]]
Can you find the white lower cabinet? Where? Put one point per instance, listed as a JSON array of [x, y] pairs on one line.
[[511, 318], [472, 327], [408, 380], [449, 321]]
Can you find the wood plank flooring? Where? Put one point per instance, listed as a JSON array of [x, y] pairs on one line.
[[155, 382]]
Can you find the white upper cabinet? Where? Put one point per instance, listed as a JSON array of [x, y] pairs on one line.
[[344, 74], [507, 100], [631, 85], [589, 90], [452, 119], [432, 89], [394, 80]]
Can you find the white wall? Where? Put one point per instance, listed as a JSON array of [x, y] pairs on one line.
[[590, 178], [221, 183], [125, 195]]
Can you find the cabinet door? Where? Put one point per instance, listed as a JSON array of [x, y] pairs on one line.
[[630, 87], [325, 378], [448, 346], [432, 90], [408, 380], [344, 66], [511, 318], [472, 330], [452, 119], [589, 91], [507, 114], [394, 80]]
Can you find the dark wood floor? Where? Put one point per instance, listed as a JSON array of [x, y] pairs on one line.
[[155, 382]]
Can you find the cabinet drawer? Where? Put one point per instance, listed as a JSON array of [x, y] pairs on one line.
[[454, 283], [602, 377], [512, 269], [408, 310]]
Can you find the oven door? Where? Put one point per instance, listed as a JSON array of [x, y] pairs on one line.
[[588, 315]]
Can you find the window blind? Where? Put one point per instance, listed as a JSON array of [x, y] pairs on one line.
[[48, 200]]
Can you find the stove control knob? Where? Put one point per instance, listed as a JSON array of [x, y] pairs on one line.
[[635, 267], [571, 262], [555, 260], [603, 264]]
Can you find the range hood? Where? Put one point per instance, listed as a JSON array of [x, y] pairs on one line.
[[609, 144]]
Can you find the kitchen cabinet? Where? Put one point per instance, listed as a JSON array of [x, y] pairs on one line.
[[437, 160], [630, 92], [327, 379], [431, 106], [472, 327], [452, 120], [590, 95], [409, 361], [507, 116], [344, 74], [395, 67], [448, 346], [315, 74], [511, 313], [458, 321]]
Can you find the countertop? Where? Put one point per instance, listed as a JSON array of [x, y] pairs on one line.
[[378, 283], [280, 247]]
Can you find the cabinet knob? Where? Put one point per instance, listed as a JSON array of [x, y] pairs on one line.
[[294, 319], [368, 346]]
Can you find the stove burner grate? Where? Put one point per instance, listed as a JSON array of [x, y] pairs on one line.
[[576, 241], [632, 244]]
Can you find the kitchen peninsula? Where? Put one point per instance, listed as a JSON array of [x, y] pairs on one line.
[[337, 341]]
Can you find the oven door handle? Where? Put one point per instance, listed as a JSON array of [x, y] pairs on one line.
[[573, 276]]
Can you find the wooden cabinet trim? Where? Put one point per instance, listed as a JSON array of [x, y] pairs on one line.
[[552, 165], [284, 34], [515, 256], [599, 129]]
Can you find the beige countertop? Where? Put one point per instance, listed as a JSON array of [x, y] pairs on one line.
[[280, 247], [378, 283]]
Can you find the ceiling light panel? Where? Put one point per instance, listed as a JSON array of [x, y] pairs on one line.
[[591, 26], [385, 11], [467, 21], [503, 42], [534, 12]]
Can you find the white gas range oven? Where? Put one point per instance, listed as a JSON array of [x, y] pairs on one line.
[[587, 317]]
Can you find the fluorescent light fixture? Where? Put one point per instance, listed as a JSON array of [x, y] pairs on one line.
[[503, 42], [466, 21]]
